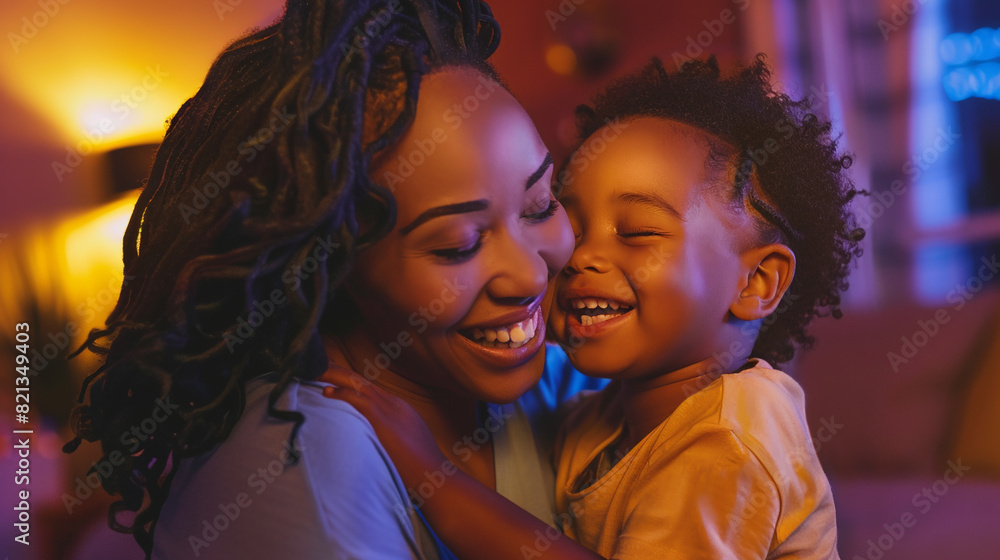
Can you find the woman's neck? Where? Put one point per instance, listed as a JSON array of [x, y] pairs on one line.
[[452, 418]]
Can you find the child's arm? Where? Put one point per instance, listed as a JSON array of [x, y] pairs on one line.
[[474, 521]]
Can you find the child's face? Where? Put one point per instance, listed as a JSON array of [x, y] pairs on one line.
[[653, 241]]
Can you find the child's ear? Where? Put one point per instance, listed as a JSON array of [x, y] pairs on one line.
[[769, 274]]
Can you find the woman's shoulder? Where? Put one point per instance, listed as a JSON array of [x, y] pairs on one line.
[[326, 490], [332, 430], [335, 441]]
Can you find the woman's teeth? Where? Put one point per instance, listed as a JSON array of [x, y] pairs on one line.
[[591, 311], [515, 335]]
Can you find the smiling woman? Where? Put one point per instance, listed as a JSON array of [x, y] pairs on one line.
[[480, 216], [480, 234], [400, 221]]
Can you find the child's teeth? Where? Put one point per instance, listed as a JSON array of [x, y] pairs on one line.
[[603, 304], [517, 335], [491, 335], [478, 334], [591, 303], [587, 320], [579, 304], [613, 305], [503, 335], [529, 331]]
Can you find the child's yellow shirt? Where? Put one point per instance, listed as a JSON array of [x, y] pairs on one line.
[[732, 473]]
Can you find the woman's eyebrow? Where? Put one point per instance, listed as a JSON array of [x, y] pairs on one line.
[[446, 210], [652, 200], [546, 163]]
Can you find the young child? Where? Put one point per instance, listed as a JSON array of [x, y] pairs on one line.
[[712, 224]]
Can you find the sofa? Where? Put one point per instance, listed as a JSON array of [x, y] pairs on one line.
[[904, 407]]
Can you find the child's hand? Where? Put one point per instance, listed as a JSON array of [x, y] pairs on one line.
[[402, 431], [490, 526]]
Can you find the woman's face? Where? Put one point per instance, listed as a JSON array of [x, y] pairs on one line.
[[452, 297]]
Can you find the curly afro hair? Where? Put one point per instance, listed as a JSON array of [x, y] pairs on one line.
[[785, 170]]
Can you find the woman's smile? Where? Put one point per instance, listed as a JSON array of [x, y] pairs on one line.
[[505, 343]]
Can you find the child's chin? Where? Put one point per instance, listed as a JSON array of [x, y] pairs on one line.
[[596, 363]]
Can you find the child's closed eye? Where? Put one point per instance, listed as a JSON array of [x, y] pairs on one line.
[[642, 232]]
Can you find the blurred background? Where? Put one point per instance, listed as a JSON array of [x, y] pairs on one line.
[[902, 392]]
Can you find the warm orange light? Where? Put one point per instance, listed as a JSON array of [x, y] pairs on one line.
[[69, 270], [107, 73], [561, 59], [94, 245]]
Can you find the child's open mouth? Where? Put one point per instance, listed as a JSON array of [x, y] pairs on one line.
[[591, 311]]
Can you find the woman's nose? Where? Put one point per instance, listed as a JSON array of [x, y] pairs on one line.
[[521, 274]]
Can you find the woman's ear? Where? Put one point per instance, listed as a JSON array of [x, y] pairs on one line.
[[770, 270]]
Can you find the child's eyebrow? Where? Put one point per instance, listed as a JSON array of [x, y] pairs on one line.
[[652, 200]]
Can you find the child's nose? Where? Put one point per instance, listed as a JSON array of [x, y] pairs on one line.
[[588, 257]]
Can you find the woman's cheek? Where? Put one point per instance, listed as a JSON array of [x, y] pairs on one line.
[[401, 295], [445, 295], [556, 241], [450, 303]]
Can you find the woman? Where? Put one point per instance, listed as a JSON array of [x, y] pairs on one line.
[[351, 183]]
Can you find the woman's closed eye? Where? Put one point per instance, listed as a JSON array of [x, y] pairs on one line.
[[453, 255], [546, 213]]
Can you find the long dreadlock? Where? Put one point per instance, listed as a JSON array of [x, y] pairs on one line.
[[248, 225]]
